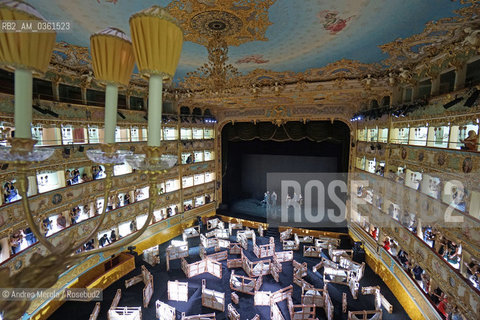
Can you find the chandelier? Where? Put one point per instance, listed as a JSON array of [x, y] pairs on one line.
[[156, 45], [217, 76]]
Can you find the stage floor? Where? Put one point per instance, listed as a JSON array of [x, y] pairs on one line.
[[132, 297], [252, 209]]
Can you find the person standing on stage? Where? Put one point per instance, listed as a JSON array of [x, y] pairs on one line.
[[274, 200], [288, 200], [295, 198]]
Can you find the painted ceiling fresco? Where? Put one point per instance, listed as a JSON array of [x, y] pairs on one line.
[[300, 34]]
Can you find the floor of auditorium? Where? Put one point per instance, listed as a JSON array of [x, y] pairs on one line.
[[132, 297]]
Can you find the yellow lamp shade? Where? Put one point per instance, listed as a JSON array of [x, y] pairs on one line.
[[157, 41], [112, 56], [26, 50]]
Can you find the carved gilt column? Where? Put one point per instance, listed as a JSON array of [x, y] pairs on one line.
[[435, 88], [55, 87], [460, 74]]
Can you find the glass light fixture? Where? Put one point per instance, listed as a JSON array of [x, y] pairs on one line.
[[22, 150], [142, 162], [103, 157]]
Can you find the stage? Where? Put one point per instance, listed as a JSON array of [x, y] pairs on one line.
[[253, 209]]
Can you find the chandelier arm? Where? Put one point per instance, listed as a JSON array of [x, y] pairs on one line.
[[108, 188], [22, 189], [153, 193]]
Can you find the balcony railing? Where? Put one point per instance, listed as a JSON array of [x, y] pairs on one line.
[[114, 217], [421, 299], [450, 279]]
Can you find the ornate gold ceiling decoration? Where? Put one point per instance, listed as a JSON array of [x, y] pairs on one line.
[[217, 77], [278, 114], [68, 58], [236, 21], [439, 37], [344, 68]]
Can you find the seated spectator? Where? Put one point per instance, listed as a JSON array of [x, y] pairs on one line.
[[44, 227], [113, 236], [435, 295], [374, 233], [470, 142], [133, 226], [68, 177], [48, 223], [426, 282], [97, 172], [472, 267], [10, 192], [103, 240], [29, 236], [417, 273], [429, 237], [126, 199], [138, 194], [393, 248], [442, 306], [453, 254], [61, 221], [403, 257], [75, 176], [442, 249], [110, 203], [475, 278], [85, 178], [74, 215], [89, 245], [15, 242], [386, 244]]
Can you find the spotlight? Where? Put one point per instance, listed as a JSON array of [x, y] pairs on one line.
[[42, 111], [66, 151], [452, 103], [81, 148], [121, 115], [50, 112], [471, 100]]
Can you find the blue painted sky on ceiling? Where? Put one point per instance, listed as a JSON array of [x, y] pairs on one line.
[[304, 33]]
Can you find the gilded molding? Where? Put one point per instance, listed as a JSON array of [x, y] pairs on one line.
[[231, 20]]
